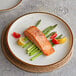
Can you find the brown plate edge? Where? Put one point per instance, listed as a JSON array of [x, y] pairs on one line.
[[12, 7]]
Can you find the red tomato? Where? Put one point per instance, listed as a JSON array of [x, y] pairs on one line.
[[53, 36], [55, 41], [16, 35]]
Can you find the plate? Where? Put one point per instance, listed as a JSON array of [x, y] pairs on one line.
[[8, 4], [22, 23], [28, 67]]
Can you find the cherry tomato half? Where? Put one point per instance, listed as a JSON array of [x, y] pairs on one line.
[[16, 35]]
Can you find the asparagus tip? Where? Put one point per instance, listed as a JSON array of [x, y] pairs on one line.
[[55, 25], [31, 59], [40, 20], [38, 23]]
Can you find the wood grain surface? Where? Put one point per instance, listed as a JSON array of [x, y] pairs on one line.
[[63, 8]]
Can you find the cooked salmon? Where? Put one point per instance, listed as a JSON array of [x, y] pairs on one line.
[[40, 40]]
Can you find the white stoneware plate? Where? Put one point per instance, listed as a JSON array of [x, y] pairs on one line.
[[8, 4], [22, 23]]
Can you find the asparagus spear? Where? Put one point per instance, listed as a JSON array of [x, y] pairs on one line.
[[34, 52], [48, 28], [33, 58], [31, 47], [29, 43], [25, 39], [59, 36], [28, 51], [47, 31], [38, 23]]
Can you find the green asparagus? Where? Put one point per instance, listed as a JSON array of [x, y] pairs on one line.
[[28, 51], [38, 23], [31, 47], [33, 52], [33, 58], [26, 45], [48, 28]]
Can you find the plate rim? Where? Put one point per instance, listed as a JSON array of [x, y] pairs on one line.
[[11, 7], [33, 64], [28, 68]]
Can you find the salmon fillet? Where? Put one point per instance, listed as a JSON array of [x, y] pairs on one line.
[[40, 40]]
